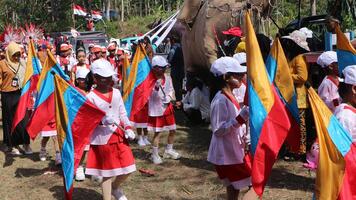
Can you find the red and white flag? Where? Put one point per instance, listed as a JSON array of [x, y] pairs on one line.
[[78, 10], [96, 15]]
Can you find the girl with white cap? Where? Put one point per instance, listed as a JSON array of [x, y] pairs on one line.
[[161, 112], [228, 142], [110, 155], [346, 112], [330, 84]]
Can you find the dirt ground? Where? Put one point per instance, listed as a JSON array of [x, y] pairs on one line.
[[191, 177]]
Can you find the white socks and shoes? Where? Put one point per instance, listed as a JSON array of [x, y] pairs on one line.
[[27, 149], [118, 194], [146, 141], [155, 158], [79, 174], [15, 151], [143, 141], [171, 153], [58, 159], [43, 154]]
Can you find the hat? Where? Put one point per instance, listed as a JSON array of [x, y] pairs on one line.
[[241, 47], [96, 48], [111, 46], [224, 65], [64, 47], [159, 61], [234, 31], [299, 38], [350, 75], [307, 32], [326, 58], [332, 18], [82, 73], [240, 57], [102, 68], [103, 49], [91, 45]]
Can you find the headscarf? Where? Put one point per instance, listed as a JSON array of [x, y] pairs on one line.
[[17, 67]]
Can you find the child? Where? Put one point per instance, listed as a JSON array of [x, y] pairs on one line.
[[50, 131], [140, 121], [346, 112], [160, 111], [83, 83], [110, 155], [81, 57], [328, 89], [228, 142]]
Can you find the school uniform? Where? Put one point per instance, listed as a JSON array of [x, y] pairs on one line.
[[239, 93], [196, 105], [227, 146], [74, 70], [160, 110], [50, 129], [346, 114], [328, 92], [140, 119], [110, 154]]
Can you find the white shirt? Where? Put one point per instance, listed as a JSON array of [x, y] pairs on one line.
[[115, 110], [228, 141], [159, 100], [195, 99], [239, 93], [328, 91], [346, 115]]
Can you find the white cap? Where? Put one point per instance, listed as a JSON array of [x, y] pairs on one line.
[[224, 65], [350, 75], [102, 68], [159, 61], [307, 32], [299, 38], [241, 58], [326, 58], [82, 73]]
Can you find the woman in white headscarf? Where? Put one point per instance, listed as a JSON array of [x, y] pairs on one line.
[[12, 71]]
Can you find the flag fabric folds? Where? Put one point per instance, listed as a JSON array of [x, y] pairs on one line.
[[269, 122], [44, 105], [335, 147], [279, 73], [138, 82], [346, 53], [78, 10], [33, 69], [73, 112]]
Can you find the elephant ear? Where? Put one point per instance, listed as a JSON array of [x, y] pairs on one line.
[[189, 11], [265, 6]]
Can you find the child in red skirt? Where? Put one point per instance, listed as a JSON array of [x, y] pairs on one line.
[[229, 139], [110, 155], [160, 110], [140, 121], [50, 131]]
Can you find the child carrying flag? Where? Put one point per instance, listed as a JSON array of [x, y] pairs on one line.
[[328, 89], [160, 110], [110, 155], [228, 142]]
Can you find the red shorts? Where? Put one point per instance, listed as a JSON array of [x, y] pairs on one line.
[[141, 118], [112, 159], [166, 122], [237, 175]]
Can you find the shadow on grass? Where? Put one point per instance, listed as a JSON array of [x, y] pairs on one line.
[[281, 178], [78, 193], [29, 172]]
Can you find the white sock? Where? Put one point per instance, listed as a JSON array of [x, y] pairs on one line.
[[140, 137], [169, 146], [145, 137], [155, 150]]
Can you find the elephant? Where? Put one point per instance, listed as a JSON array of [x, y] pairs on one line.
[[205, 20]]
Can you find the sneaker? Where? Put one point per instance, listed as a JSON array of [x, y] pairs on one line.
[[141, 142], [43, 154], [58, 159], [156, 159], [97, 179], [118, 194], [172, 154], [145, 140], [79, 174], [15, 152], [27, 149]]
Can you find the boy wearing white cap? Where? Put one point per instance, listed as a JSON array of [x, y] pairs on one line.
[[228, 142], [110, 155], [346, 112], [328, 89], [160, 110]]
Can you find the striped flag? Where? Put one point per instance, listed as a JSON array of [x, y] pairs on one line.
[[346, 53]]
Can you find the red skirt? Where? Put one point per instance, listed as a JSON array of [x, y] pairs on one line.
[[140, 120], [49, 130], [112, 159], [237, 175], [166, 122]]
